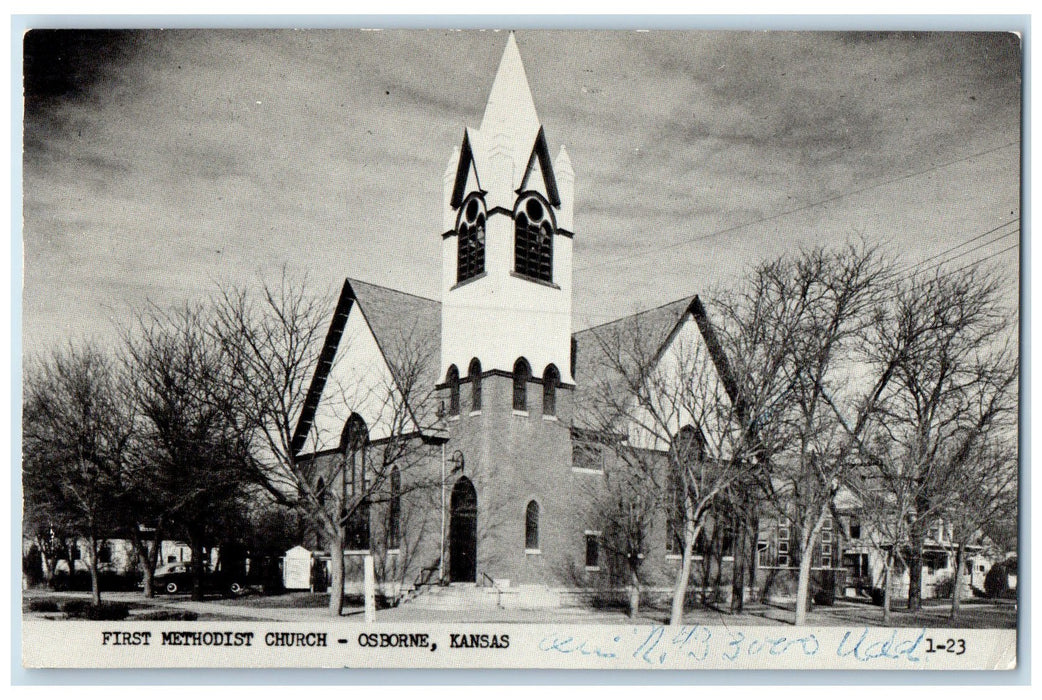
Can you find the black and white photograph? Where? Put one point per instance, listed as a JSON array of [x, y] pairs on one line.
[[521, 349]]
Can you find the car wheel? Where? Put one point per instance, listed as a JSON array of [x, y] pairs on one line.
[[236, 588], [171, 587]]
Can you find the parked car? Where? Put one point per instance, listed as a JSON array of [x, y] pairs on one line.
[[176, 577]]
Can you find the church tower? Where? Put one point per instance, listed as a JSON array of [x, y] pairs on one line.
[[507, 241]]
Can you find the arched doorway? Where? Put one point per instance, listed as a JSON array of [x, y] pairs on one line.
[[463, 532]]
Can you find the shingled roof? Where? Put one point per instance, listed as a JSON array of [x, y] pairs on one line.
[[403, 325], [654, 328]]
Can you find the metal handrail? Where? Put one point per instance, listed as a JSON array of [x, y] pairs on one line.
[[424, 578]]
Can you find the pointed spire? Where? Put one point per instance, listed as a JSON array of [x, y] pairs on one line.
[[510, 108], [450, 169], [563, 164]]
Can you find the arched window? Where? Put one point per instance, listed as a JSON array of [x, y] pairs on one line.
[[354, 509], [688, 446], [470, 231], [452, 379], [551, 378], [353, 440], [687, 450], [675, 513], [474, 372], [320, 492], [521, 374], [533, 238], [394, 511], [532, 525]]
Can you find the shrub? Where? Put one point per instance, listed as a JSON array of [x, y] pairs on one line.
[[169, 615], [86, 610], [877, 595], [108, 611], [75, 608], [43, 605], [944, 586], [996, 583]]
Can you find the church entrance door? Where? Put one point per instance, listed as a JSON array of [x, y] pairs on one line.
[[463, 532]]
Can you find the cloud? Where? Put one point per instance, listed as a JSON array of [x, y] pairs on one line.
[[157, 162]]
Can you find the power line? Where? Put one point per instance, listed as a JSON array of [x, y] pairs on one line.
[[988, 257], [956, 247], [779, 215], [967, 252]]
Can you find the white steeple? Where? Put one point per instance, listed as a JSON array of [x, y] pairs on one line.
[[497, 305], [510, 110]]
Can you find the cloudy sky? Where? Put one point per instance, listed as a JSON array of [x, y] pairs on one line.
[[159, 164]]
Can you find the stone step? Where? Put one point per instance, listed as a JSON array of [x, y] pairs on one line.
[[464, 596], [454, 597]]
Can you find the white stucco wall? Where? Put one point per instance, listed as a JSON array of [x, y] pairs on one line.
[[360, 381], [686, 390]]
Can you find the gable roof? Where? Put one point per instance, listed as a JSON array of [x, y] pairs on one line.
[[655, 328], [407, 329], [404, 324]]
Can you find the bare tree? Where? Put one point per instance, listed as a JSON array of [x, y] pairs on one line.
[[944, 342], [625, 501], [274, 343], [984, 493], [197, 461], [76, 435], [677, 407], [797, 324]]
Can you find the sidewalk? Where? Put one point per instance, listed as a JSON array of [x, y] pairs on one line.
[[225, 609]]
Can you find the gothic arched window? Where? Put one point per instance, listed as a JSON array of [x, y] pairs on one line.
[[470, 230], [521, 374], [474, 372], [687, 450], [551, 378], [320, 492], [688, 445], [532, 525], [534, 238], [452, 379], [394, 511], [354, 510]]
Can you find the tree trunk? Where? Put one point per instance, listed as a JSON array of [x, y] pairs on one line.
[[336, 584], [197, 568], [738, 570], [915, 564], [806, 559], [960, 554], [146, 560], [754, 543], [72, 553], [888, 567], [634, 594], [95, 584], [48, 564], [676, 613], [803, 585]]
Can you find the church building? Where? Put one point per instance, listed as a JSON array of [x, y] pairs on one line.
[[479, 397]]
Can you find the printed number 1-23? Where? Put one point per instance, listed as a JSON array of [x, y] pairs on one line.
[[952, 646]]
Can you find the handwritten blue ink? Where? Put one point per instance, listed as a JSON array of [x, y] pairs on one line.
[[866, 649], [569, 645]]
